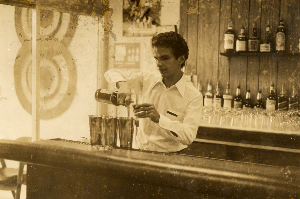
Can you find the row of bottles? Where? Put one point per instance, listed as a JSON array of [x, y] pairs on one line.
[[281, 103], [254, 44]]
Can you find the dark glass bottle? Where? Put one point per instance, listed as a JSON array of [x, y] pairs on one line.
[[218, 97], [280, 37], [229, 39], [241, 42], [259, 102], [108, 97], [208, 100], [293, 100], [253, 42], [248, 100], [227, 97], [238, 100], [266, 46], [200, 91], [282, 102], [271, 100]]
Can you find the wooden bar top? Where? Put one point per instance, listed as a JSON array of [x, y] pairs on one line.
[[167, 169]]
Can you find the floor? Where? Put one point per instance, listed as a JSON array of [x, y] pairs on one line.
[[8, 194]]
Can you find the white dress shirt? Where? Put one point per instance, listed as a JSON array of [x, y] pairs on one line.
[[179, 107]]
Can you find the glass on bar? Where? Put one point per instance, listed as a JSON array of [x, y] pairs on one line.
[[125, 131], [95, 123]]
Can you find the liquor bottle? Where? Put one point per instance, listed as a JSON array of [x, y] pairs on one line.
[[238, 101], [266, 46], [241, 42], [109, 97], [229, 39], [271, 99], [227, 97], [200, 91], [280, 37], [259, 103], [253, 42], [218, 97], [248, 99], [299, 45], [282, 100], [208, 100], [293, 100]]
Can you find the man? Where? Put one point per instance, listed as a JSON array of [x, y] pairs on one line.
[[171, 106]]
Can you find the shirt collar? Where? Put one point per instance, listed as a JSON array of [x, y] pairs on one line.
[[180, 85]]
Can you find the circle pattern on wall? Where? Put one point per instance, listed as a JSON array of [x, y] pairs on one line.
[[53, 25], [58, 74], [58, 79]]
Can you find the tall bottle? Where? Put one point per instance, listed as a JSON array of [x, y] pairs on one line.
[[293, 100], [238, 100], [109, 97], [259, 102], [218, 97], [253, 42], [227, 97], [282, 100], [208, 100], [241, 42], [248, 99], [200, 91], [229, 39], [280, 37], [271, 99], [266, 46]]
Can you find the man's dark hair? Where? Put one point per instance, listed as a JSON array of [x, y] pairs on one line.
[[174, 41]]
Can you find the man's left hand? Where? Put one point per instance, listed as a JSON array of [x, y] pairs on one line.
[[146, 110]]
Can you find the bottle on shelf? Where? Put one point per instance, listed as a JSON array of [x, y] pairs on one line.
[[280, 37], [282, 101], [238, 100], [227, 97], [200, 91], [299, 45], [241, 42], [109, 97], [259, 102], [248, 100], [293, 100], [208, 99], [218, 97], [253, 42], [271, 99], [229, 39], [266, 46]]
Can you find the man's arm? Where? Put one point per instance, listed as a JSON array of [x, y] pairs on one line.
[[125, 80]]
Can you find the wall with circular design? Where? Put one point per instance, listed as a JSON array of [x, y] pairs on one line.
[[68, 73]]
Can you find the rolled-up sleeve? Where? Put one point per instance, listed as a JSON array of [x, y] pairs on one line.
[[184, 132], [134, 79]]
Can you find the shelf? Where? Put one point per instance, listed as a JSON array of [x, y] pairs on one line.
[[276, 54]]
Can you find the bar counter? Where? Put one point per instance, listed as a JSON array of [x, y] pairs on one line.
[[67, 169]]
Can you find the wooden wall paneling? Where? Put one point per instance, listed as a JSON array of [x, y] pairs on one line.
[[183, 31], [238, 64], [253, 61], [224, 66], [268, 64], [192, 36], [297, 82], [208, 44], [287, 65]]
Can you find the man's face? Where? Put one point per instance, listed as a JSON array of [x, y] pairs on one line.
[[166, 62]]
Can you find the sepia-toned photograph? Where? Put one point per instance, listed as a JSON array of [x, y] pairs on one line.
[[149, 99]]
